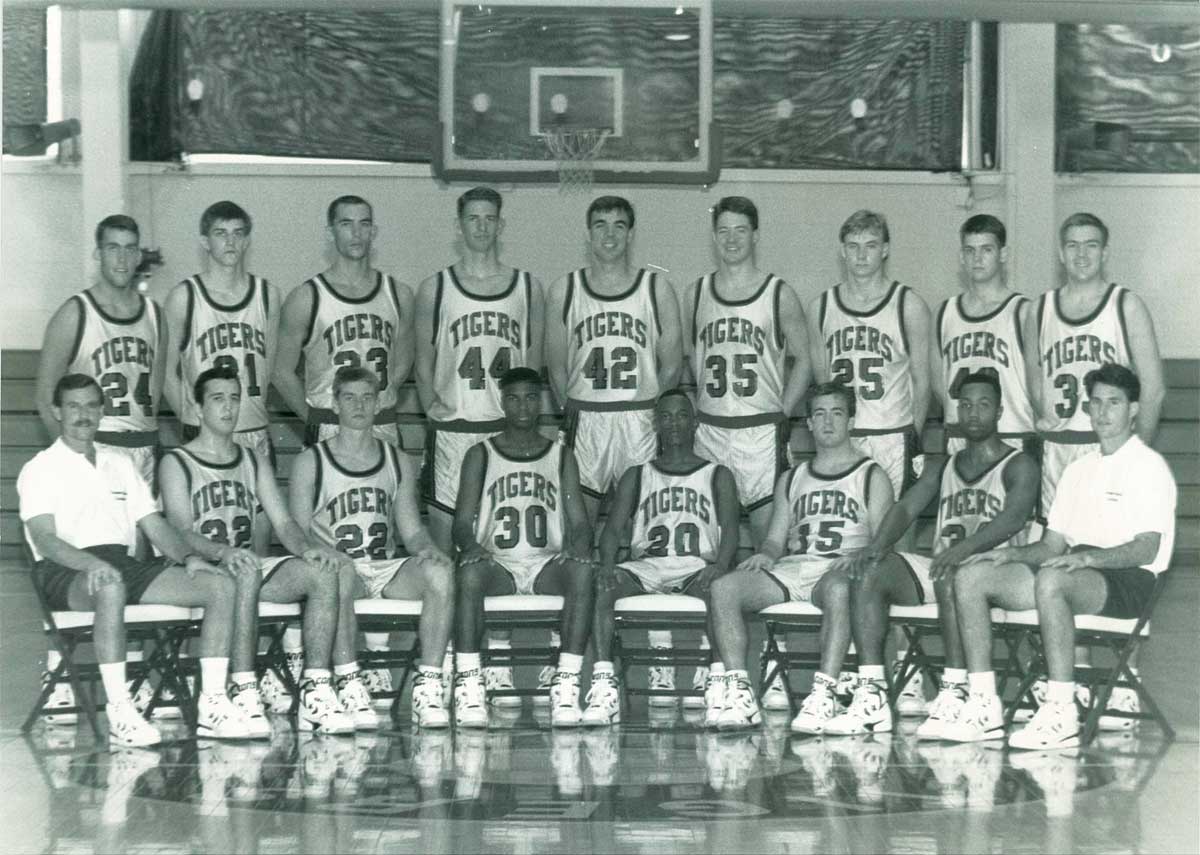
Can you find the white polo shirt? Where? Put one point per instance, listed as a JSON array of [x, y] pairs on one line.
[[1105, 500], [91, 505]]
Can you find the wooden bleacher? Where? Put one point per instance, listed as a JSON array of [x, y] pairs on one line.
[[22, 435]]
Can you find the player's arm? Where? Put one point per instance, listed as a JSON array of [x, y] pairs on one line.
[[298, 309], [1031, 348], [274, 311], [880, 501], [1022, 485], [402, 342], [53, 361], [903, 513], [795, 335], [916, 322], [426, 356], [175, 310], [816, 348], [158, 371], [555, 350], [687, 323], [408, 514], [466, 509], [669, 352], [774, 547], [1052, 545], [177, 509], [302, 491], [1147, 364], [729, 519], [534, 357], [577, 527], [623, 505], [297, 540], [937, 369], [1138, 552]]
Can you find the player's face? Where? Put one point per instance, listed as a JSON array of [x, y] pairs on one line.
[[1083, 253], [354, 405], [222, 400], [864, 253], [79, 413], [978, 411], [608, 235], [1112, 413], [522, 404], [353, 230], [982, 256], [735, 237], [675, 421], [227, 242], [119, 255], [480, 225], [829, 421]]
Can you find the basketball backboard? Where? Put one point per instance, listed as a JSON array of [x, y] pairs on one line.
[[516, 72]]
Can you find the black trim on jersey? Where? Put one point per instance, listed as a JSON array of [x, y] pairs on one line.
[[1041, 322], [187, 473], [870, 313], [746, 302], [637, 281], [900, 321], [483, 478], [318, 475], [700, 283], [941, 319], [354, 301], [570, 294], [637, 491], [970, 482], [1017, 323], [780, 341], [236, 307], [528, 310], [822, 311], [1121, 320], [837, 476], [316, 307], [688, 474], [266, 295], [208, 464], [80, 324], [962, 313], [391, 286], [654, 302], [125, 322], [437, 306], [391, 452], [350, 473], [187, 315], [1087, 319], [549, 445], [484, 298]]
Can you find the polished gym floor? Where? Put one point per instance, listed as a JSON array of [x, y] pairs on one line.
[[658, 783]]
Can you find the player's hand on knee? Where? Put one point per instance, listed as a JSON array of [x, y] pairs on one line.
[[990, 556], [606, 578], [103, 575], [858, 565], [194, 564], [1068, 562], [434, 556], [943, 566], [324, 559], [472, 555], [241, 562], [758, 562]]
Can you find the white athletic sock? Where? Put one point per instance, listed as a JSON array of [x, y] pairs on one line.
[[659, 637], [293, 640], [213, 671], [602, 669], [982, 682], [376, 640], [112, 675], [737, 674], [1060, 691], [569, 663], [316, 673], [430, 670], [716, 669], [240, 678], [871, 673], [954, 676], [346, 668], [466, 662], [824, 682]]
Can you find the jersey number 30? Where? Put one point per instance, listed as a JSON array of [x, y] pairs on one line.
[[511, 534]]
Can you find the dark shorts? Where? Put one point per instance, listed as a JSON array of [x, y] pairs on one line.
[[137, 575], [1129, 590]]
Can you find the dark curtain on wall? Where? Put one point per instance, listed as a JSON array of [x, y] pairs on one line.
[[365, 85], [1127, 98], [24, 66]]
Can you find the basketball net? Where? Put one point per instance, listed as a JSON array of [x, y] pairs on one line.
[[575, 151]]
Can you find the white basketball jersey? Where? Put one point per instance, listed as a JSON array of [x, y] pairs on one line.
[[869, 352], [120, 354], [738, 351], [356, 332], [829, 512], [1069, 349], [475, 340], [234, 336], [520, 504], [965, 506], [612, 341], [990, 344], [353, 511], [224, 496], [676, 514]]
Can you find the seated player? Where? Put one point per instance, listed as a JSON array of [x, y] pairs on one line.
[[986, 494], [356, 493], [1110, 532], [214, 489], [521, 528], [685, 517], [823, 509], [82, 505]]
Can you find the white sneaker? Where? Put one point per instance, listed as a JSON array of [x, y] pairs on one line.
[[817, 710], [427, 707], [868, 713], [1121, 699], [696, 701], [602, 750], [714, 698], [274, 693], [603, 702], [448, 678], [944, 710], [429, 756], [566, 761], [564, 700], [167, 706], [980, 719], [1039, 690], [126, 727], [378, 682], [911, 701], [470, 699], [741, 709], [356, 701], [141, 696], [499, 678], [218, 718], [1057, 775], [776, 695], [1052, 727], [246, 698], [847, 682], [320, 710], [61, 697], [662, 678], [545, 681]]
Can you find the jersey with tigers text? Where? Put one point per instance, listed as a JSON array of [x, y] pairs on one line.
[[224, 497], [829, 512], [520, 504], [966, 505], [676, 514], [354, 512]]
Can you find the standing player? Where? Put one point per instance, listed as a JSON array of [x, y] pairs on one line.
[[684, 515], [111, 333], [1078, 327], [350, 316], [358, 494], [824, 509], [521, 528], [224, 317], [981, 330], [986, 494], [213, 488]]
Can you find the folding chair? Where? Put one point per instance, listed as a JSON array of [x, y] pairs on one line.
[[388, 616], [521, 611], [273, 621], [1121, 637], [781, 619], [649, 612]]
